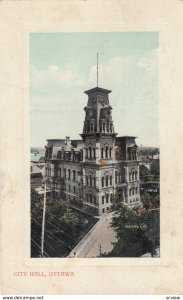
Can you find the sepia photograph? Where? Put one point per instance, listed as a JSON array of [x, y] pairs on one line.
[[95, 154]]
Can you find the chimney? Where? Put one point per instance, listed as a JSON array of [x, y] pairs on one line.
[[67, 140]]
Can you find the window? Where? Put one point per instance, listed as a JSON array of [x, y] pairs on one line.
[[86, 180], [90, 180], [102, 199], [130, 192], [65, 173], [74, 189], [106, 152], [107, 198], [110, 180], [103, 210], [86, 153], [102, 153], [110, 197], [110, 127], [90, 198], [74, 175], [94, 181], [94, 199], [93, 152], [60, 172], [69, 188], [136, 190], [110, 152], [136, 175], [90, 152], [106, 180], [102, 181], [104, 127], [69, 174]]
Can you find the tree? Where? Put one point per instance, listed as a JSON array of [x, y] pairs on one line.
[[144, 173], [150, 201], [155, 169], [134, 229]]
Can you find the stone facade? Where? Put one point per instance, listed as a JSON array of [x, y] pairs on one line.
[[88, 172]]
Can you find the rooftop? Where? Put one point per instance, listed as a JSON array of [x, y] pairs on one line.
[[97, 89]]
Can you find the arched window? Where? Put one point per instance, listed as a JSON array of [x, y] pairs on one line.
[[94, 181], [103, 127], [102, 153], [102, 181], [90, 198], [136, 175], [106, 152], [110, 197], [110, 180], [90, 152], [90, 179], [106, 180], [93, 152]]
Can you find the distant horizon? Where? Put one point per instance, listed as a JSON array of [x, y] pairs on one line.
[[148, 146]]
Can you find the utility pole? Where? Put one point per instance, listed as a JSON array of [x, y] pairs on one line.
[[43, 222]]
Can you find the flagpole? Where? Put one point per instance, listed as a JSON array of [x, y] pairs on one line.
[[97, 69]]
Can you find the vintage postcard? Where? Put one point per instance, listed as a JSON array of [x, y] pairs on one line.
[[90, 203]]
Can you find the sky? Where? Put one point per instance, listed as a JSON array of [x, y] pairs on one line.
[[63, 66]]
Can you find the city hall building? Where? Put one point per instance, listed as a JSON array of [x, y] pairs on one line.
[[88, 172]]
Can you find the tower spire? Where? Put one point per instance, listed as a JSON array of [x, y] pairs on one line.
[[97, 69]]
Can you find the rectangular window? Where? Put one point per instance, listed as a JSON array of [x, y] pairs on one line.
[[74, 175], [102, 199], [107, 198]]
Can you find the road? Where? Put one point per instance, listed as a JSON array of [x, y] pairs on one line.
[[97, 240]]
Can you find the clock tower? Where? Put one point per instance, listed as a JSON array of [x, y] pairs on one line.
[[98, 152]]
